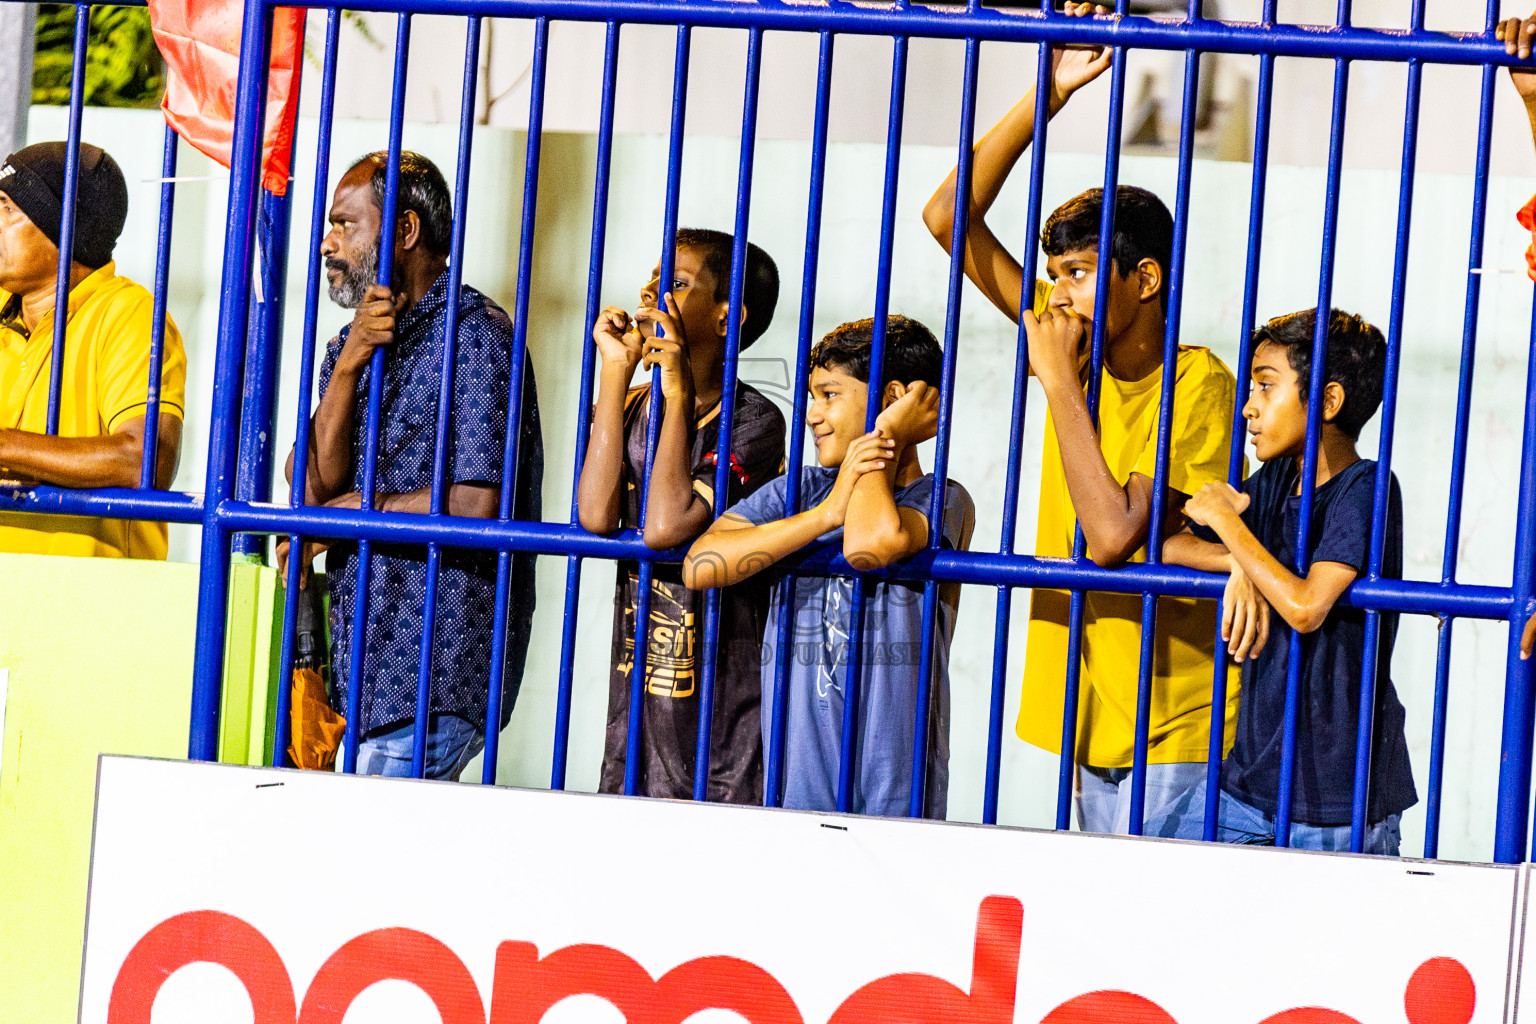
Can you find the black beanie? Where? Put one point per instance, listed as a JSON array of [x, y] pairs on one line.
[[34, 179]]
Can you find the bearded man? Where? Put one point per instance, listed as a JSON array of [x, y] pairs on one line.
[[408, 320]]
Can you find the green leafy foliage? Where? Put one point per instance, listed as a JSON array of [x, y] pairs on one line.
[[122, 66]]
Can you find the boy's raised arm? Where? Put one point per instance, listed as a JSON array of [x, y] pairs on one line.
[[600, 490], [878, 531], [734, 548], [990, 266], [1303, 601]]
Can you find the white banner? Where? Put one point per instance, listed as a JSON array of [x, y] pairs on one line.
[[332, 898]]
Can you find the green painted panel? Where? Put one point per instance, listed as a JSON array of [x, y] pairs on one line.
[[96, 657]]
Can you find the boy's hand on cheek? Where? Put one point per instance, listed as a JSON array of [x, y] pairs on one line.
[[618, 339], [868, 453], [667, 351], [1215, 503], [913, 418], [1055, 344]]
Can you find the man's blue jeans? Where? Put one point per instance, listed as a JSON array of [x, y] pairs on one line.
[[1239, 822], [452, 742]]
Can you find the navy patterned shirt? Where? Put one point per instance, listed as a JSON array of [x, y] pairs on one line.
[[466, 587]]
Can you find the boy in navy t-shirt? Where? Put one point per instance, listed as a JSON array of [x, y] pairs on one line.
[[1252, 536], [870, 493]]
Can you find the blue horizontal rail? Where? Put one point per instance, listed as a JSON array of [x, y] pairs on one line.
[[994, 25], [826, 559]]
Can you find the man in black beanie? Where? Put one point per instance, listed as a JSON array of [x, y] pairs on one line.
[[106, 356]]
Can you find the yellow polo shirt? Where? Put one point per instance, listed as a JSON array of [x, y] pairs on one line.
[[106, 383], [1185, 646]]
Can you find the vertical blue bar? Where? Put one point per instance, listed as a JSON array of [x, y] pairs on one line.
[[369, 475], [728, 400], [1164, 433], [584, 403], [150, 458], [263, 360], [234, 298], [1459, 449], [445, 407], [1514, 803], [1359, 817], [1265, 103], [1031, 260], [306, 383], [1068, 763], [61, 288], [917, 796], [519, 371], [773, 779], [863, 588], [654, 408], [1314, 425]]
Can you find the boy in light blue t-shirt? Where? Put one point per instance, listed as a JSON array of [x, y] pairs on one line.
[[870, 492]]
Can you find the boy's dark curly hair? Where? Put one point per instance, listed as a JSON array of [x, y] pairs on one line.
[[1357, 360], [1143, 230], [911, 351], [760, 283]]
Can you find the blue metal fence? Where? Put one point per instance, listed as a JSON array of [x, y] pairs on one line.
[[235, 503]]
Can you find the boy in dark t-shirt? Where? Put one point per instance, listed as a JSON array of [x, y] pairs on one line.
[[1252, 536], [690, 350]]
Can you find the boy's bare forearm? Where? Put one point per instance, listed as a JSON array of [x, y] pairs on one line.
[[729, 552], [599, 492], [987, 263], [1303, 601], [874, 534], [1191, 552], [993, 159], [675, 512], [1116, 519]]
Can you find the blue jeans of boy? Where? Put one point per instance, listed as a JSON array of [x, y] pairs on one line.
[[452, 741], [1104, 794], [1239, 822]]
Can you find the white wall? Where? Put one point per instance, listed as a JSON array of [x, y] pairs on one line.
[[1432, 338]]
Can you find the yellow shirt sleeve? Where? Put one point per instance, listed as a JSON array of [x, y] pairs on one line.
[[1043, 291], [1201, 442], [122, 369]]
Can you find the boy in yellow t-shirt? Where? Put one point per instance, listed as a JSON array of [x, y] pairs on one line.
[[1103, 477]]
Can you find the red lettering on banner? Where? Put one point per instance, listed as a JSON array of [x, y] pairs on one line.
[[202, 936], [393, 954], [924, 999], [1108, 1008], [526, 986], [1440, 992]]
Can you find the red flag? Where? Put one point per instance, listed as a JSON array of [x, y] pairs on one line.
[[200, 41]]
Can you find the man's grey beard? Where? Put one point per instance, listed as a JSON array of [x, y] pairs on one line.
[[356, 278]]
